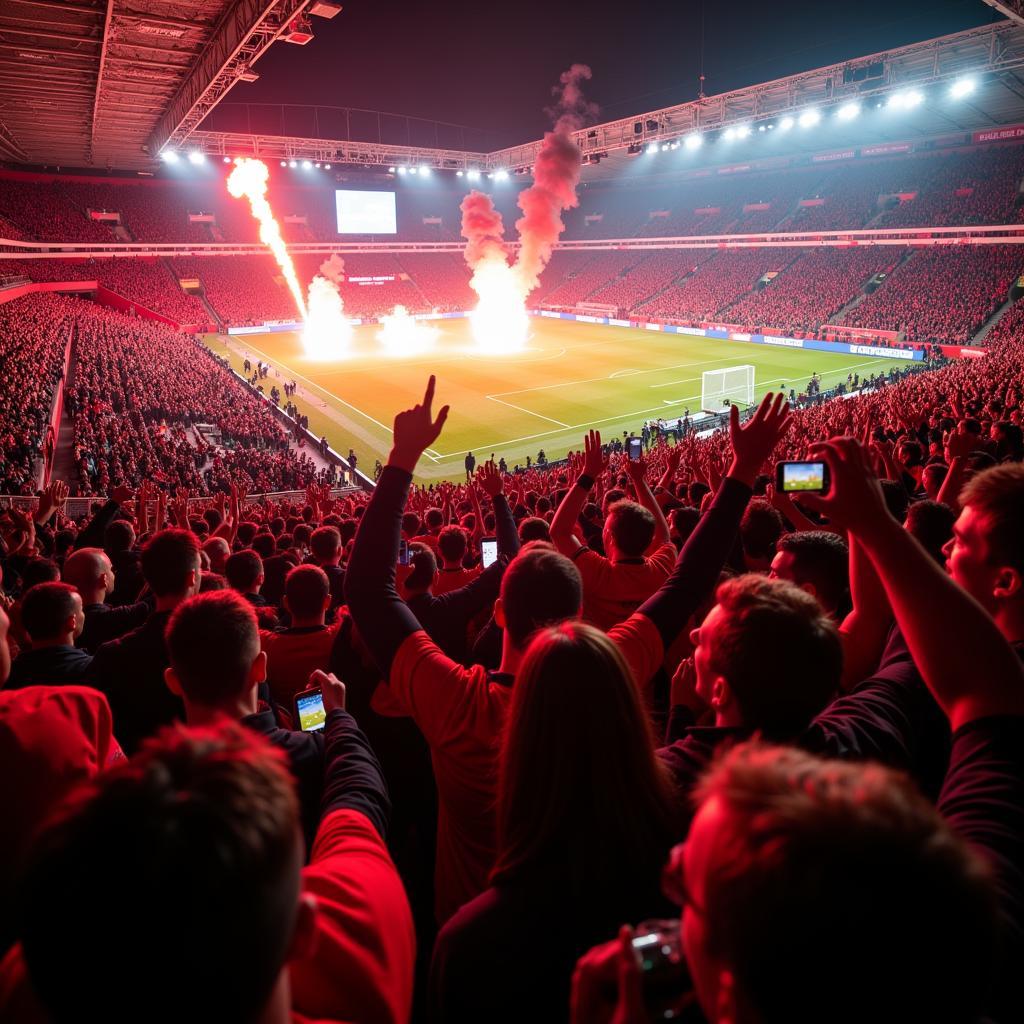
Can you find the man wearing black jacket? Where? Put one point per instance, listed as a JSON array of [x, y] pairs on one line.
[[90, 572]]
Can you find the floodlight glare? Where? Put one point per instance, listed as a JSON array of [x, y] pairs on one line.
[[743, 131], [962, 87], [391, 170], [327, 167], [292, 164], [809, 118], [786, 123], [652, 148], [906, 100], [169, 156], [729, 134], [284, 163], [473, 175], [693, 141], [458, 174], [306, 165], [317, 166], [848, 111], [195, 157], [501, 175], [227, 159], [425, 171]]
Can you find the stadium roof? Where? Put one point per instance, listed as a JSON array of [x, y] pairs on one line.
[[106, 83], [110, 83]]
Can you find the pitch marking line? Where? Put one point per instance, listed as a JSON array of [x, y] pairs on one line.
[[530, 412]]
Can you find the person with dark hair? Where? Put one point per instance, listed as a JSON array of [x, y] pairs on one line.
[[1009, 440], [218, 551], [433, 520], [91, 573], [534, 529], [326, 550], [760, 531], [130, 670], [986, 554], [460, 711], [295, 651], [639, 554], [244, 572], [819, 562], [931, 524], [452, 544], [119, 545], [52, 616], [38, 570], [200, 831], [598, 859]]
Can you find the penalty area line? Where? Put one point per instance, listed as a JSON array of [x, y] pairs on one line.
[[529, 412]]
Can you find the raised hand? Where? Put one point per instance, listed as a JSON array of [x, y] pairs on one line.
[[595, 462], [636, 470], [960, 443], [753, 443], [490, 479], [416, 430], [855, 500], [332, 688]]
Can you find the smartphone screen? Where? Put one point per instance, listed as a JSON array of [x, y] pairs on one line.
[[310, 708], [403, 552], [635, 448], [488, 551], [803, 476]]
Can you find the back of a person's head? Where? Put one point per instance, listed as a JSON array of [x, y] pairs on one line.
[[684, 522], [997, 495], [217, 549], [540, 588], [931, 522], [422, 567], [118, 536], [696, 492], [325, 543], [264, 544], [46, 610], [532, 528], [760, 529], [84, 567], [243, 569], [433, 518], [896, 498], [168, 560], [451, 542], [821, 559], [836, 892], [246, 532], [631, 527], [612, 497], [582, 791], [212, 641], [307, 591], [411, 524], [212, 581], [779, 652], [38, 570], [195, 842]]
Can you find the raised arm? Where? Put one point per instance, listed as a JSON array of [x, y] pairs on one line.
[[706, 550], [637, 470], [92, 535], [504, 523], [563, 525], [383, 618], [967, 663]]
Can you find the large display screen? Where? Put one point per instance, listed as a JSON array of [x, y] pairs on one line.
[[365, 213]]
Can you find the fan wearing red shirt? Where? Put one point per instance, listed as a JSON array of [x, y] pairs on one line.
[[171, 889], [461, 711], [452, 575], [640, 553]]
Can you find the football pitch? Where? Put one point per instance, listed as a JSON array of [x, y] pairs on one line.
[[571, 377]]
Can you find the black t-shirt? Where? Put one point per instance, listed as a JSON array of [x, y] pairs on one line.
[[983, 800]]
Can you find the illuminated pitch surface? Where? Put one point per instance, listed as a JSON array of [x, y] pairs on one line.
[[571, 377]]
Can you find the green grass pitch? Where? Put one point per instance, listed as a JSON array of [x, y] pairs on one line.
[[571, 377]]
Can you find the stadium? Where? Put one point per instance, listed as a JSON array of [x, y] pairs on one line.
[[511, 558]]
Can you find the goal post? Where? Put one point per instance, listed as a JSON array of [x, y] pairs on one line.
[[732, 385]]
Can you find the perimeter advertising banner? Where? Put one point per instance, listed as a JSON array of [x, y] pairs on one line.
[[1015, 131]]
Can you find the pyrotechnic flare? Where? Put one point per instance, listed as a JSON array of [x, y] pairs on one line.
[[499, 322], [327, 333], [402, 335], [249, 179]]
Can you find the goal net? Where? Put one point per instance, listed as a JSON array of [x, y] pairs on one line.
[[733, 385]]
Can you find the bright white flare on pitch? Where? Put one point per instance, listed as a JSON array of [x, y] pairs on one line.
[[327, 334], [499, 322], [402, 335], [249, 179]]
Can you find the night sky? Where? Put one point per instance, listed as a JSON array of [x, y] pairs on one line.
[[490, 66]]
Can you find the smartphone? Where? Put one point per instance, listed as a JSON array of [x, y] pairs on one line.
[[309, 710], [802, 477], [403, 552], [635, 448], [488, 551]]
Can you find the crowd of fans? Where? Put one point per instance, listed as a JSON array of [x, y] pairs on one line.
[[241, 290], [941, 294], [689, 747]]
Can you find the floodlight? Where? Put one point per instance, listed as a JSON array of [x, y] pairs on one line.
[[317, 166], [729, 134], [306, 165], [327, 167], [195, 157], [501, 175], [786, 123], [284, 163], [458, 174], [292, 164], [848, 111], [169, 156], [391, 170], [425, 170], [905, 100], [652, 148], [743, 131], [809, 118], [227, 159], [473, 175], [962, 87], [403, 170], [694, 141]]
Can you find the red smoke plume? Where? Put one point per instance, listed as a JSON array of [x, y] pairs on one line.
[[556, 174], [483, 229], [333, 269]]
